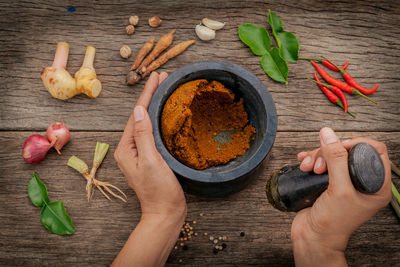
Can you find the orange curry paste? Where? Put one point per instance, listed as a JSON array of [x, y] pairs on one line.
[[194, 118]]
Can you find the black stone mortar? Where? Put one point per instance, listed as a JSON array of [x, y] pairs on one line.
[[221, 180]]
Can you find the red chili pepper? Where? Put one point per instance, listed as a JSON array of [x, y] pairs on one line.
[[353, 83], [327, 63], [342, 85], [331, 94]]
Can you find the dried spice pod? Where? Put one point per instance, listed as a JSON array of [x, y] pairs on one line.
[[290, 189]]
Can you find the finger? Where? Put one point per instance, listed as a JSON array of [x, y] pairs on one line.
[[151, 85], [143, 134], [336, 156], [308, 162], [148, 91], [320, 165], [301, 155], [162, 77]]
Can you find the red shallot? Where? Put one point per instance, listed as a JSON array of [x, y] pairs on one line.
[[58, 135], [35, 148]]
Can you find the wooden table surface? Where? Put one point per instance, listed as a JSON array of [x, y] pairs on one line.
[[364, 32]]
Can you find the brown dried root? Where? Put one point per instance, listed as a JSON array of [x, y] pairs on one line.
[[162, 44], [146, 48], [173, 52]]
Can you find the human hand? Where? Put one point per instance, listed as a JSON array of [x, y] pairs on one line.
[[320, 233], [156, 186]]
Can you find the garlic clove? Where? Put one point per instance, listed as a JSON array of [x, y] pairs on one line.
[[204, 33], [213, 24]]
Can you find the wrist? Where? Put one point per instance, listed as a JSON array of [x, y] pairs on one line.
[[172, 218], [308, 252], [316, 249]]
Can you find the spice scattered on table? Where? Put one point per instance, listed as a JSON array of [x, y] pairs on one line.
[[36, 146], [207, 32], [60, 83], [86, 78], [155, 22], [53, 214], [125, 51], [342, 85], [273, 61], [134, 20], [143, 66], [327, 63], [130, 29], [58, 135], [242, 234], [332, 96], [80, 166]]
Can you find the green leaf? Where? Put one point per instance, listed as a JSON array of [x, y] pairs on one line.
[[287, 42], [275, 66], [275, 22], [55, 218], [37, 191], [255, 37], [289, 47]]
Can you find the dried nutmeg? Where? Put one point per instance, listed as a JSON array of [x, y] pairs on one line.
[[134, 20], [125, 51], [130, 29], [155, 21]]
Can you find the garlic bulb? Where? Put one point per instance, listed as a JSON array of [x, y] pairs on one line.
[[213, 24], [205, 33]]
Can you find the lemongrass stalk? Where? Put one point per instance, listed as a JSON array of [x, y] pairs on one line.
[[79, 165], [99, 154], [395, 194]]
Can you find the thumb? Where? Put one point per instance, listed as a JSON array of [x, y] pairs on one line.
[[336, 157], [143, 133]]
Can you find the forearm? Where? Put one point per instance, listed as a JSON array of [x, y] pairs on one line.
[[151, 241]]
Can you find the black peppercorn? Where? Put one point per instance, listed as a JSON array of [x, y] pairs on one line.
[[185, 247], [242, 234], [223, 245], [215, 251]]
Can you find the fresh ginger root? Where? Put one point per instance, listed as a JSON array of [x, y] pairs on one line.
[[61, 84], [86, 78], [56, 79]]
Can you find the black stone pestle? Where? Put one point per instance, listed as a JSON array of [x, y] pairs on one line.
[[290, 189]]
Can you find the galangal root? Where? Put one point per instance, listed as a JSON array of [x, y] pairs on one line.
[[60, 83], [142, 67], [82, 168]]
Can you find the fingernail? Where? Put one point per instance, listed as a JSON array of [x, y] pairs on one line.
[[138, 113], [328, 136], [318, 163], [306, 160], [346, 141]]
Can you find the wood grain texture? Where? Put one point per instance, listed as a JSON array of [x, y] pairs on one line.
[[364, 32], [102, 226]]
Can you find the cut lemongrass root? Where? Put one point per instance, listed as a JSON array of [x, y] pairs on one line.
[[104, 187], [395, 194]]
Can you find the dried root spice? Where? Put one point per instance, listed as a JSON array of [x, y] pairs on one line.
[[203, 125]]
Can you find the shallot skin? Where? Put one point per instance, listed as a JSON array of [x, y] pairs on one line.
[[58, 135], [35, 148]]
